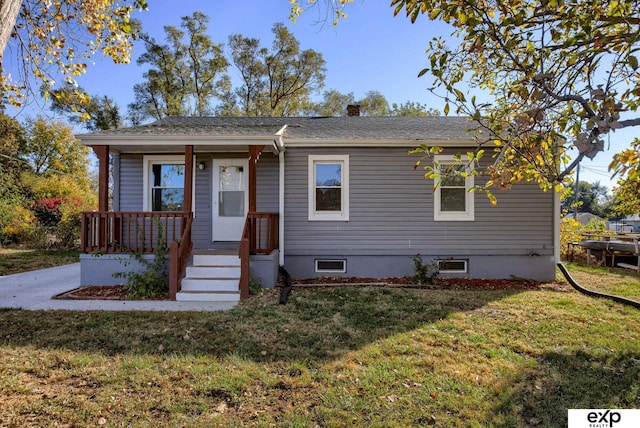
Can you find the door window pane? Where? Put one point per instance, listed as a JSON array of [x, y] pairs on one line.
[[231, 195], [231, 204], [231, 177]]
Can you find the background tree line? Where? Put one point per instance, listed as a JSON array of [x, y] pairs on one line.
[[187, 74]]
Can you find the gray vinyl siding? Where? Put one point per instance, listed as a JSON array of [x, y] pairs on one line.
[[201, 227], [391, 213], [267, 189], [130, 183]]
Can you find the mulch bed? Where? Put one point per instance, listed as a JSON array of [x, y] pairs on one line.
[[439, 283], [101, 292], [116, 292]]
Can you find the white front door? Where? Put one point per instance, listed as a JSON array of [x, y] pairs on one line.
[[230, 198]]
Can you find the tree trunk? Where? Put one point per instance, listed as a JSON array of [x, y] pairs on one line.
[[8, 15]]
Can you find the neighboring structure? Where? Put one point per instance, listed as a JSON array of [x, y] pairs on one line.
[[583, 218], [326, 196], [628, 224]]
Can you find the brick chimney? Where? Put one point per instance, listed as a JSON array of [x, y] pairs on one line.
[[353, 110]]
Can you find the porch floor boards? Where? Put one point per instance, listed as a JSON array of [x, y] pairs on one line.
[[214, 252], [225, 248]]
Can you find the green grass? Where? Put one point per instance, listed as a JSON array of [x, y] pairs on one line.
[[16, 261], [620, 282], [342, 356]]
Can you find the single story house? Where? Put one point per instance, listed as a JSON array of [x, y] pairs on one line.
[[236, 197]]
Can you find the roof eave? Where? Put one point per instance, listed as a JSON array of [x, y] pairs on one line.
[[335, 142], [156, 141], [93, 139]]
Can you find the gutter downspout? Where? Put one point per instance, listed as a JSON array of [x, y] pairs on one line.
[[280, 143], [281, 209]]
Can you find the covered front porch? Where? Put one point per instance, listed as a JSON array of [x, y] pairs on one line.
[[202, 214]]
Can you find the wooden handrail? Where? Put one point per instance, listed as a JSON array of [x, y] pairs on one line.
[[179, 253], [244, 253]]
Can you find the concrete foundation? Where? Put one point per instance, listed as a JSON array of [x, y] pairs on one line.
[[535, 267]]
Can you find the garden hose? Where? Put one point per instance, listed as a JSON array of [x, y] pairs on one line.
[[592, 293], [287, 289]]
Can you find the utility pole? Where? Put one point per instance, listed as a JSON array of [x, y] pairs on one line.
[[576, 192]]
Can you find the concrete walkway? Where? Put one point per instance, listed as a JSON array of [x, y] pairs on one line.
[[35, 290]]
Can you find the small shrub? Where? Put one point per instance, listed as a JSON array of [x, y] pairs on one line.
[[151, 280], [36, 236], [16, 222], [255, 285], [67, 232], [47, 211], [425, 273]]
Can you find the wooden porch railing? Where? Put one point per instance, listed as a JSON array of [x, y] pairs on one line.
[[263, 228], [179, 253], [117, 232], [259, 236]]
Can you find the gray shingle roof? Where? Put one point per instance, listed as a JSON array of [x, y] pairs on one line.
[[434, 128]]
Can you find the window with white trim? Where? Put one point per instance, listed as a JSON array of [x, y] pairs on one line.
[[452, 266], [331, 266], [453, 199], [329, 187], [163, 183]]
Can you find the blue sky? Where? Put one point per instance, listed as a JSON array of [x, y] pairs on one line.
[[370, 50]]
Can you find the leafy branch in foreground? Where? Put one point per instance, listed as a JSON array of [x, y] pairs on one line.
[[559, 73], [49, 39]]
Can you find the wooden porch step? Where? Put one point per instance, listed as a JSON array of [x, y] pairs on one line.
[[214, 275], [199, 272], [200, 259], [210, 284]]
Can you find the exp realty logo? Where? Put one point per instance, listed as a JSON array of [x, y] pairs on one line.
[[604, 418]]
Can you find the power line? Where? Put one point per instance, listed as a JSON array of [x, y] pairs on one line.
[[48, 169], [597, 171]]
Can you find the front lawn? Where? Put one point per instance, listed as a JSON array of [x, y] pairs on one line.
[[14, 260], [339, 356]]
